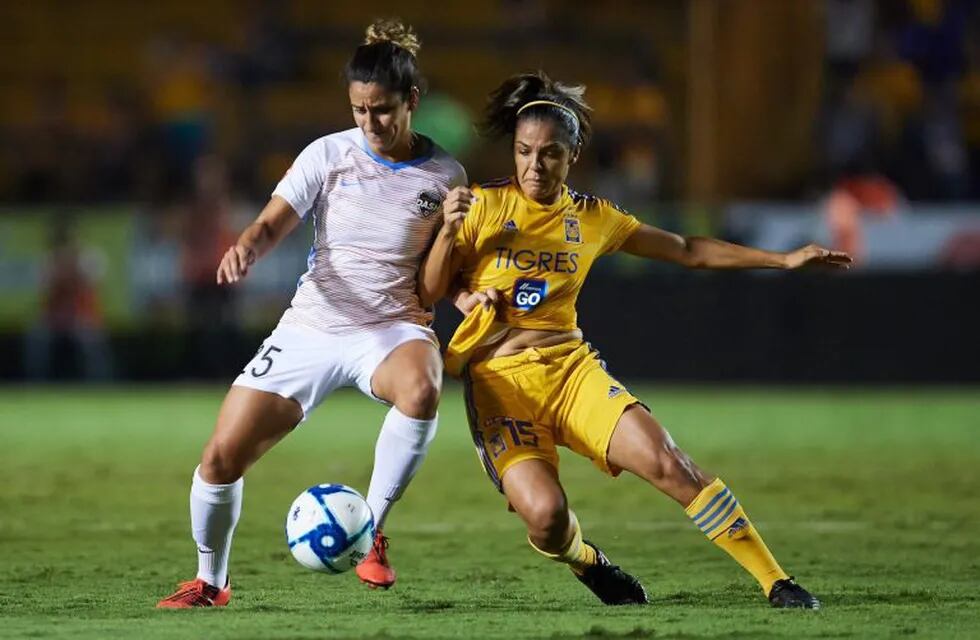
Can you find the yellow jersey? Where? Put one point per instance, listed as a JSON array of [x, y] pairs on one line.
[[537, 255]]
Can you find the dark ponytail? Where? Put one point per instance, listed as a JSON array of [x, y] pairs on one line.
[[387, 57], [510, 102]]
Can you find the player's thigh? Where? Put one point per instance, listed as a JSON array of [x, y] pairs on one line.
[[249, 423], [588, 413], [642, 446], [638, 440], [411, 372]]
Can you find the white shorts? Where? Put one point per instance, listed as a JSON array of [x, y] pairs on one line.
[[306, 365]]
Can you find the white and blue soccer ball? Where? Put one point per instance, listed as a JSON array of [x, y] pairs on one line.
[[329, 528]]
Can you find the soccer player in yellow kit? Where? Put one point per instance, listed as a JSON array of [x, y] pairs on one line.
[[520, 249]]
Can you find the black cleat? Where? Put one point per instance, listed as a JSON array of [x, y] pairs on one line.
[[611, 584], [786, 594]]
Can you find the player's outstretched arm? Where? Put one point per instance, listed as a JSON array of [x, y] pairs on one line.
[[273, 224], [438, 267], [709, 253]]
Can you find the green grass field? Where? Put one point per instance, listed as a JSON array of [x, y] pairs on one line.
[[871, 498]]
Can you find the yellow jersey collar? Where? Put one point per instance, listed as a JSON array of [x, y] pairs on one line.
[[536, 207]]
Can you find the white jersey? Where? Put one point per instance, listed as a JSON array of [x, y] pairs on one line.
[[373, 220]]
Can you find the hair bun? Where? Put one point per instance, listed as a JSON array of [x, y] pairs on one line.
[[393, 31]]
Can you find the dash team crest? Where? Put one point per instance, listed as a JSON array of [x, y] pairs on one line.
[[427, 203]]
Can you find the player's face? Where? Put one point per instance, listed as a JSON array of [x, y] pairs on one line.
[[384, 116], [542, 157]]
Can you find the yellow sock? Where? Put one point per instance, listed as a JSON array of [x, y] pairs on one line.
[[720, 517], [576, 554]]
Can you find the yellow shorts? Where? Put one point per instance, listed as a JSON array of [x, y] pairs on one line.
[[521, 407]]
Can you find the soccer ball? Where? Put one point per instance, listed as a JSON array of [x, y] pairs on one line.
[[329, 528]]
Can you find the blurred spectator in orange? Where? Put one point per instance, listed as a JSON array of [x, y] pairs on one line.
[[207, 231], [851, 198], [71, 315]]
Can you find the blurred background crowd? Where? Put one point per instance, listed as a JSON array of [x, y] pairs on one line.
[[139, 138]]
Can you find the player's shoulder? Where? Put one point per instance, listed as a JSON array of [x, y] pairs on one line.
[[447, 164], [331, 146], [496, 189], [591, 203], [347, 138]]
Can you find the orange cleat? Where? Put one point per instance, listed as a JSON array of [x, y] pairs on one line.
[[374, 570], [196, 593]]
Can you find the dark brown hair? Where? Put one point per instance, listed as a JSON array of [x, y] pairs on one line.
[[387, 57], [500, 117]]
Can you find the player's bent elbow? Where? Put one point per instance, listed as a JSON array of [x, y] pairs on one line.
[[427, 297], [690, 257]]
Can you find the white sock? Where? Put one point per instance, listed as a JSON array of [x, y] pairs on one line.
[[215, 509], [401, 448]]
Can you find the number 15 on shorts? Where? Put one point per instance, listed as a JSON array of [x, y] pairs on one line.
[[503, 432]]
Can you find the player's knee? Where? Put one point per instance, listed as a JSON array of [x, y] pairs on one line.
[[219, 465], [418, 397], [547, 521]]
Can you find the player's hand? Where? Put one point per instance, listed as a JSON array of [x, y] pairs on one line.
[[234, 264], [467, 301], [814, 255], [454, 208]]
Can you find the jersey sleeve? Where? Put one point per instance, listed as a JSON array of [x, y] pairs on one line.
[[459, 177], [616, 228], [469, 231], [305, 179]]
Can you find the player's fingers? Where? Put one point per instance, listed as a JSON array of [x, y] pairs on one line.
[[457, 195], [460, 204], [494, 295], [244, 260], [225, 271], [238, 260], [231, 263]]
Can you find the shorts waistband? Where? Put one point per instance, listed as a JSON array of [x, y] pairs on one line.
[[526, 358]]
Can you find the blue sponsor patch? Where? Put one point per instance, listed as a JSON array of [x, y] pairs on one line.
[[529, 293]]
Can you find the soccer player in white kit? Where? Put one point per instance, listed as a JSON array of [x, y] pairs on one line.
[[375, 193]]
